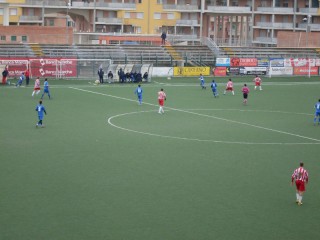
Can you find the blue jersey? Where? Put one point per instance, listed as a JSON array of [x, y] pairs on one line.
[[46, 86], [40, 109], [213, 86], [317, 107], [138, 91], [201, 80]]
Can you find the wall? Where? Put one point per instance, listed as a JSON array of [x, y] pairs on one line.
[[298, 39]]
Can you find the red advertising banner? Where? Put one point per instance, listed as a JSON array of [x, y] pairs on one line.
[[305, 71], [220, 71], [42, 67], [235, 62], [248, 62]]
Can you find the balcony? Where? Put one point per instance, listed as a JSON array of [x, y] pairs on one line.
[[313, 26], [181, 22], [276, 10], [30, 19], [308, 10], [43, 2], [181, 8], [109, 21], [274, 25], [229, 10]]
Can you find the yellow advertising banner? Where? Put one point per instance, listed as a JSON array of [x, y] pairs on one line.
[[191, 71]]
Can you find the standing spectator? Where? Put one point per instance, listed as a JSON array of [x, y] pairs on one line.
[[161, 98], [214, 89], [36, 88], [46, 89], [257, 80], [202, 82], [110, 77], [138, 92], [163, 38], [21, 78], [40, 109], [317, 113], [245, 90], [100, 74], [27, 75], [5, 74], [229, 87], [301, 177]]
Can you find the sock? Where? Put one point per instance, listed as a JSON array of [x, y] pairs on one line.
[[38, 92], [33, 93], [232, 92], [297, 196]]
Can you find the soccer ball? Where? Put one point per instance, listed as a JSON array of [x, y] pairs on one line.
[[97, 82]]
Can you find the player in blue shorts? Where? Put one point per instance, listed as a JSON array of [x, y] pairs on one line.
[[40, 109], [138, 92], [317, 113], [46, 89], [21, 78], [214, 89], [201, 78]]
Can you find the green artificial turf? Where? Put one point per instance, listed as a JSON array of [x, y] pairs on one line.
[[209, 168]]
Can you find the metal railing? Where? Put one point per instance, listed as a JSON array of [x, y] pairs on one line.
[[211, 45]]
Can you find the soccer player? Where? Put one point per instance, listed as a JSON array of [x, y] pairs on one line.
[[5, 75], [138, 92], [229, 87], [257, 81], [27, 74], [317, 113], [214, 89], [202, 82], [40, 109], [301, 177], [21, 78], [36, 88], [161, 98], [245, 90], [46, 88]]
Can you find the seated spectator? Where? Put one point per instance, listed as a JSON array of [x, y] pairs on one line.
[[139, 77], [110, 77], [128, 77], [145, 76]]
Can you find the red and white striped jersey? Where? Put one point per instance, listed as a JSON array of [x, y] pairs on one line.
[[300, 174], [257, 80], [229, 84], [161, 95]]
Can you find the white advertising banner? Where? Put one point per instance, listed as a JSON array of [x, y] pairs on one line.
[[162, 71], [298, 62], [281, 71]]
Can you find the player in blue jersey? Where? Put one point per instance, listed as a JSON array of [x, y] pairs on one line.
[[214, 88], [138, 92], [40, 109], [21, 78], [46, 89], [202, 83], [317, 113]]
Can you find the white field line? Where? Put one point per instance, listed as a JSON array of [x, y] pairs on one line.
[[203, 115], [192, 139]]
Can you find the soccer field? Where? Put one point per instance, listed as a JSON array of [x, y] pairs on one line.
[[105, 167]]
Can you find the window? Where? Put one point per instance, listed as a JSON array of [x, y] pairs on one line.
[[140, 1], [31, 12], [1, 11], [138, 29], [13, 12], [140, 15], [2, 38], [13, 38], [170, 16], [126, 15], [157, 15], [24, 38], [51, 22]]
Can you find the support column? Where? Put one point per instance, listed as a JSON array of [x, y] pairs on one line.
[[223, 29], [230, 29], [241, 30]]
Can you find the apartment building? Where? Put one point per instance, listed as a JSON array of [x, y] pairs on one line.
[[228, 22]]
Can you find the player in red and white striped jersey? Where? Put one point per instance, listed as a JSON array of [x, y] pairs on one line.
[[257, 82], [301, 177], [161, 98], [229, 87]]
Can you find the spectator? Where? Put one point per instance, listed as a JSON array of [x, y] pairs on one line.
[[100, 74], [146, 76], [139, 77], [5, 75], [27, 75], [110, 77], [163, 38]]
